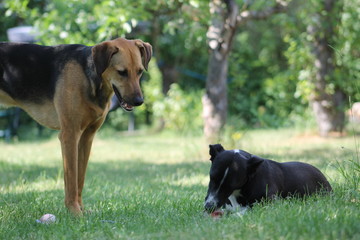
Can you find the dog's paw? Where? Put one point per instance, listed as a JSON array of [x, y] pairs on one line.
[[237, 210]]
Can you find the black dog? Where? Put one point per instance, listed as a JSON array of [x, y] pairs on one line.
[[243, 179]]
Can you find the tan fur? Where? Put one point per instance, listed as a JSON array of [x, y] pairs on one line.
[[44, 113], [6, 100], [125, 58], [79, 121], [77, 116]]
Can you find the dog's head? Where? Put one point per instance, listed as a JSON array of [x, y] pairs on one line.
[[230, 170], [120, 64]]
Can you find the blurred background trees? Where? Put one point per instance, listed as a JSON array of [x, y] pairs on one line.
[[285, 70]]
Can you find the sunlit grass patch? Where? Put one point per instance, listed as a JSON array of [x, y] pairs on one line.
[[199, 179]]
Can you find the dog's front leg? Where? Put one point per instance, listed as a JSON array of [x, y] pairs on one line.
[[69, 146], [85, 144]]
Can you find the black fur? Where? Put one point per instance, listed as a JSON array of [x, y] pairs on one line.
[[29, 72], [255, 178]]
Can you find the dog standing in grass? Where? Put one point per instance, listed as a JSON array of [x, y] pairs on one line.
[[241, 179], [69, 88]]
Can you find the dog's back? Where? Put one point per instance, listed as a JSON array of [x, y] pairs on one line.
[[29, 72], [302, 179], [273, 179]]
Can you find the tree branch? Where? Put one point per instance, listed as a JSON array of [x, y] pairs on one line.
[[245, 16]]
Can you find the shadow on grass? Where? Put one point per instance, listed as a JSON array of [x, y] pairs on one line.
[[127, 193], [113, 178], [11, 172], [135, 173], [134, 176], [110, 180]]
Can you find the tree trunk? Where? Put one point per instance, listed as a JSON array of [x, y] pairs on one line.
[[220, 35], [215, 100], [170, 75], [327, 106], [221, 32]]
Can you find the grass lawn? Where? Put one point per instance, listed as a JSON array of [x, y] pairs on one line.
[[153, 187]]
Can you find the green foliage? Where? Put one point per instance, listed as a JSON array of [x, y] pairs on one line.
[[180, 110], [118, 120], [58, 25], [344, 42], [348, 49], [152, 86], [13, 13], [262, 88], [270, 67]]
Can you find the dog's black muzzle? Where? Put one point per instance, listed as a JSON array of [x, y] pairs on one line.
[[210, 207]]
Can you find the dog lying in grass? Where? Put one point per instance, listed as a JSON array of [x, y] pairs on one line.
[[242, 179]]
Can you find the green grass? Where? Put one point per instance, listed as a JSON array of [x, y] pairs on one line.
[[153, 187]]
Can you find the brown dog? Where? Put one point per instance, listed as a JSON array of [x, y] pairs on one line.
[[69, 87]]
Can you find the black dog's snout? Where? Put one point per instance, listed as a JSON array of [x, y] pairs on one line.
[[210, 207]]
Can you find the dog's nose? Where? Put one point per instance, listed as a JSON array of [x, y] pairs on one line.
[[137, 101], [210, 206]]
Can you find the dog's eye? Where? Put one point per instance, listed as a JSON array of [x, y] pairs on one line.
[[123, 73], [140, 72]]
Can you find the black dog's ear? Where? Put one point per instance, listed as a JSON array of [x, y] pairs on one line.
[[253, 163], [214, 150]]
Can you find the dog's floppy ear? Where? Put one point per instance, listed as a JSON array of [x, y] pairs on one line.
[[145, 51], [214, 150], [102, 54], [253, 163]]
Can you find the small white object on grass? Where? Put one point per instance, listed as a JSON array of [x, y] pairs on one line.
[[47, 219], [235, 207]]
